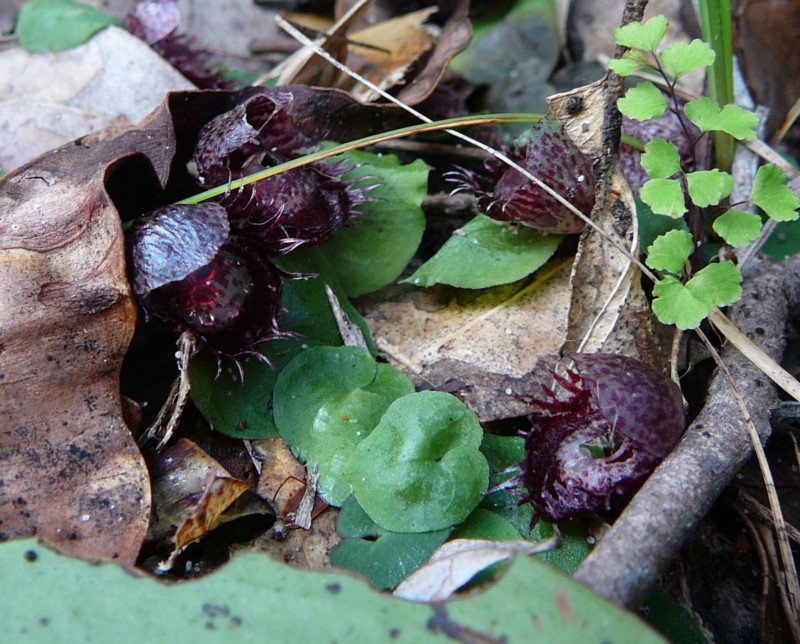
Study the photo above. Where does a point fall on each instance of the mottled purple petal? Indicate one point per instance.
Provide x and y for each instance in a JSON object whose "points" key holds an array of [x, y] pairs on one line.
{"points": [[174, 241], [641, 404], [152, 20], [611, 403]]}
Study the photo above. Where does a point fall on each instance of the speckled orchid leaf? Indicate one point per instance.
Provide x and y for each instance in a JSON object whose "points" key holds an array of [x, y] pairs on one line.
{"points": [[420, 469]]}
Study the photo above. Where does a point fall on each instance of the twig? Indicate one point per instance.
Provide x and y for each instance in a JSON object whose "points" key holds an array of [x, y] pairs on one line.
{"points": [[650, 532]]}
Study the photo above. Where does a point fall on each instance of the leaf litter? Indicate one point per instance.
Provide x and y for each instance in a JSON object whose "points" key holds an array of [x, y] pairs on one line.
{"points": [[615, 297]]}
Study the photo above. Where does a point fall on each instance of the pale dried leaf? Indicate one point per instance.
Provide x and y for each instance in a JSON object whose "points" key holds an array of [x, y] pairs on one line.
{"points": [[481, 345], [609, 311], [49, 100], [456, 562]]}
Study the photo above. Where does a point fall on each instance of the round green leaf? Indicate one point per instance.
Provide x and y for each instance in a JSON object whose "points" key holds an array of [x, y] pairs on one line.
{"points": [[483, 524], [642, 102], [738, 228], [486, 253], [342, 423], [420, 469], [237, 408], [375, 250], [317, 376]]}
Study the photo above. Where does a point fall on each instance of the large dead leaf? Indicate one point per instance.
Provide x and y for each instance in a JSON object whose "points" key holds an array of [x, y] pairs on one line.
{"points": [[71, 470], [481, 345]]}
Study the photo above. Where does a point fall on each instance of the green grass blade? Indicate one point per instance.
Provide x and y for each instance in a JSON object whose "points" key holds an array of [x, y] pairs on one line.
{"points": [[715, 16], [461, 121]]}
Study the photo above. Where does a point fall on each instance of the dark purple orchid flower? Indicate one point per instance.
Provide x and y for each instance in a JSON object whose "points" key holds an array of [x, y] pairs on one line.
{"points": [[628, 414], [551, 156], [188, 271]]}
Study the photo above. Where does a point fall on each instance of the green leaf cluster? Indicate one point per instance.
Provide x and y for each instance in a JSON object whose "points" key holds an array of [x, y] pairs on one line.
{"points": [[675, 186]]}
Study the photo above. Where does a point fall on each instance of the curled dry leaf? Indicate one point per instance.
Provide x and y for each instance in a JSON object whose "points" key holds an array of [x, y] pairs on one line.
{"points": [[456, 562], [192, 495], [72, 473], [608, 310]]}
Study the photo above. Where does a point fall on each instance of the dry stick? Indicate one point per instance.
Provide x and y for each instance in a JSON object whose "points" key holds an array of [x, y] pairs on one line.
{"points": [[637, 549], [786, 570]]}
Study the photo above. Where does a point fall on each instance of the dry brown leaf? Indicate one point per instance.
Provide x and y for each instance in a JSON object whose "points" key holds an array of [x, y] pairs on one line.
{"points": [[71, 471], [283, 481], [282, 475], [384, 53], [766, 37], [455, 36], [608, 311], [456, 562], [394, 46], [49, 100], [481, 345], [192, 495]]}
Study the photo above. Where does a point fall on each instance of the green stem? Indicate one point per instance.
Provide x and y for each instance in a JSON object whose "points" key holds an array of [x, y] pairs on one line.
{"points": [[715, 16], [420, 128]]}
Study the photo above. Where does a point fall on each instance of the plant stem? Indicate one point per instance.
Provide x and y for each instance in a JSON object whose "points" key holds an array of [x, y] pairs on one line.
{"points": [[715, 16]]}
